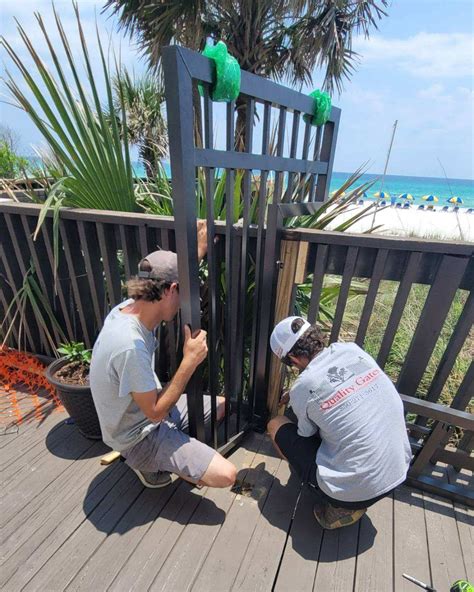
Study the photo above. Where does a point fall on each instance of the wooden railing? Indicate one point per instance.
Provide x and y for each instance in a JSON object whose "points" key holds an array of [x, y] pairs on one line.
{"points": [[446, 270]]}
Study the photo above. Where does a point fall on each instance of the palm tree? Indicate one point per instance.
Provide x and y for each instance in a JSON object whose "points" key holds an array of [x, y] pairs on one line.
{"points": [[280, 39], [143, 99]]}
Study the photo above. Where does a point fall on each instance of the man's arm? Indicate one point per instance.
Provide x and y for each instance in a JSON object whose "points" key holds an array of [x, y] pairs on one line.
{"points": [[156, 405]]}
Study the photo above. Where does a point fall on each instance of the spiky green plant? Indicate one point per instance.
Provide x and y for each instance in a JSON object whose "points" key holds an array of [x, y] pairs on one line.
{"points": [[91, 148]]}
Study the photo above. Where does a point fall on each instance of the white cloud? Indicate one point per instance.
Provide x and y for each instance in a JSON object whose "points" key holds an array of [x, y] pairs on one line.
{"points": [[427, 55]]}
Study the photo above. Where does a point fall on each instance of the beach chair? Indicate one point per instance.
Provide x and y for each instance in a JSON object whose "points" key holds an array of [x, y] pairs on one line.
{"points": [[470, 211], [421, 207], [445, 209], [398, 205], [383, 203], [360, 202], [456, 209], [406, 206]]}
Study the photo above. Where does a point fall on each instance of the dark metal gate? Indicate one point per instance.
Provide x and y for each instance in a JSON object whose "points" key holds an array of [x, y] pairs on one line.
{"points": [[266, 166]]}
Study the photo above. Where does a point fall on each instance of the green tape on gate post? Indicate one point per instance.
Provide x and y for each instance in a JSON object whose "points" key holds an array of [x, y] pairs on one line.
{"points": [[226, 86], [321, 109]]}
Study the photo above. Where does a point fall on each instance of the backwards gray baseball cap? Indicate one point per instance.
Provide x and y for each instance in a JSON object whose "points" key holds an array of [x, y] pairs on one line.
{"points": [[164, 266]]}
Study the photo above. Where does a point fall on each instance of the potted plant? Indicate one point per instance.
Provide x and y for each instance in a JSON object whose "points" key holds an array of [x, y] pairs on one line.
{"points": [[70, 377]]}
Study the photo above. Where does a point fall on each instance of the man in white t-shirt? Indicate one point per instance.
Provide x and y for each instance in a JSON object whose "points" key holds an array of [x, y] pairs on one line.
{"points": [[350, 443]]}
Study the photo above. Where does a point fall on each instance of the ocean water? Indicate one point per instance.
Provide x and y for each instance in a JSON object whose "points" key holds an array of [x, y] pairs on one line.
{"points": [[396, 185]]}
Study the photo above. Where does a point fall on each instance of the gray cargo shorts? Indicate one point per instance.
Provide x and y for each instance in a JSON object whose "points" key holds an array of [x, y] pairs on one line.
{"points": [[170, 448]]}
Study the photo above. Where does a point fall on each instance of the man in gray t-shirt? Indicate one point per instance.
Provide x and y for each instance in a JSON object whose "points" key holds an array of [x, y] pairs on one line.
{"points": [[350, 441], [139, 418]]}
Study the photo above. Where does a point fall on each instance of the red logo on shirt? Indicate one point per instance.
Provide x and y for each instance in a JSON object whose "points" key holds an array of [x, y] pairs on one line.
{"points": [[360, 382]]}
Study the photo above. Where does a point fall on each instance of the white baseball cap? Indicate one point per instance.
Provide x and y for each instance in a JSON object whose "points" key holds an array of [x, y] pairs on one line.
{"points": [[283, 338]]}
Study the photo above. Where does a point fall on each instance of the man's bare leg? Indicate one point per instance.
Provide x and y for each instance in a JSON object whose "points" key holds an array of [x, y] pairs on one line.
{"points": [[272, 428]]}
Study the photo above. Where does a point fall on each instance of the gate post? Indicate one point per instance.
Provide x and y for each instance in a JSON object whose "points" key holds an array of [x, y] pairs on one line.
{"points": [[179, 106]]}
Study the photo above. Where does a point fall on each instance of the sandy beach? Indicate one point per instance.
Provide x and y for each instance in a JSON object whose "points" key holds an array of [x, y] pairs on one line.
{"points": [[434, 224]]}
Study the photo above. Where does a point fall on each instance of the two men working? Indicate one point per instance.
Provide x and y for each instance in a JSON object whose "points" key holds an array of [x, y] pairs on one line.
{"points": [[349, 445]]}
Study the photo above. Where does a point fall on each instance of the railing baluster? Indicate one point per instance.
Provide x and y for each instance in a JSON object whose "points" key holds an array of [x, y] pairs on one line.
{"points": [[108, 251], [278, 187], [17, 274], [430, 323], [77, 272], [398, 307], [377, 273], [455, 344], [318, 279], [348, 273], [90, 248]]}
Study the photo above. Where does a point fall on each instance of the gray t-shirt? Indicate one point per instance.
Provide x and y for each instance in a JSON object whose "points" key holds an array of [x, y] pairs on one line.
{"points": [[365, 450], [122, 363]]}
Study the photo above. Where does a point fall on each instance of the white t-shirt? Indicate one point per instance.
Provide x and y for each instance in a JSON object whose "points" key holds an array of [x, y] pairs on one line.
{"points": [[122, 363], [365, 450]]}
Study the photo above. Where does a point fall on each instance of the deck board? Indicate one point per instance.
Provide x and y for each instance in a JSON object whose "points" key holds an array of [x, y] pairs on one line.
{"points": [[70, 523]]}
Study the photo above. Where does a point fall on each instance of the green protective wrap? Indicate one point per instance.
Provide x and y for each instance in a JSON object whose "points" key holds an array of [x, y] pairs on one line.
{"points": [[322, 107], [226, 87], [461, 586]]}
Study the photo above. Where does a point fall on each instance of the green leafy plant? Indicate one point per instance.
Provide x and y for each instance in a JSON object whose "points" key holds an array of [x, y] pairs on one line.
{"points": [[91, 148], [11, 165], [30, 297], [75, 351]]}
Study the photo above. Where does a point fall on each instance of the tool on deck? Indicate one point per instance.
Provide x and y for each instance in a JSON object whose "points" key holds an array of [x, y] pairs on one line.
{"points": [[110, 457], [418, 583]]}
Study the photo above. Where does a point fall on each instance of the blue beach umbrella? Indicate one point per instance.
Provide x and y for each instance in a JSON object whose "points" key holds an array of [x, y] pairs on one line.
{"points": [[455, 200], [382, 195], [365, 194], [406, 196], [431, 198]]}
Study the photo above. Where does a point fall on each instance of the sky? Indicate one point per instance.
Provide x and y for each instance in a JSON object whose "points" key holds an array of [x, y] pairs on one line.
{"points": [[417, 69]]}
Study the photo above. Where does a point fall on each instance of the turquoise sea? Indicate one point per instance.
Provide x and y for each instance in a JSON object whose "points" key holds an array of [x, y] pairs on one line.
{"points": [[396, 185]]}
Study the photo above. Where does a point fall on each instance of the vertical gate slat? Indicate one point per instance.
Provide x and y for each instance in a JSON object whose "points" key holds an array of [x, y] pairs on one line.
{"points": [[304, 155], [401, 298], [430, 323], [212, 281], [70, 239], [262, 193], [328, 150], [240, 321], [47, 232], [131, 252], [278, 187], [108, 251], [293, 146], [90, 248], [171, 326], [347, 275], [455, 344], [317, 285], [372, 292], [316, 152], [18, 271], [229, 257]]}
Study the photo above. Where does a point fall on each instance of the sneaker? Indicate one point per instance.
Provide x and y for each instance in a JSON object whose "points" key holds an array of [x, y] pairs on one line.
{"points": [[330, 517], [154, 480]]}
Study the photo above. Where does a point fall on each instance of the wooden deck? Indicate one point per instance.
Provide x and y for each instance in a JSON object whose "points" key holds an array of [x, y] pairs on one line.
{"points": [[70, 523]]}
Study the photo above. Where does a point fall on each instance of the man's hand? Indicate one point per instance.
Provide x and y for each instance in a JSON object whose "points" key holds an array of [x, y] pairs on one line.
{"points": [[201, 238], [284, 399], [195, 348]]}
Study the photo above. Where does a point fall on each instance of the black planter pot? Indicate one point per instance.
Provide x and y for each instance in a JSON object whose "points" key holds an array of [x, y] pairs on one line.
{"points": [[77, 401]]}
